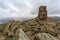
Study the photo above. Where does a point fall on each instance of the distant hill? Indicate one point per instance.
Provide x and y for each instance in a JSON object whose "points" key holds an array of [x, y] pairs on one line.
{"points": [[3, 20], [55, 17]]}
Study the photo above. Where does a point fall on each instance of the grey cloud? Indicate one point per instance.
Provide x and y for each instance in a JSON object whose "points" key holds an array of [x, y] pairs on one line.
{"points": [[28, 8]]}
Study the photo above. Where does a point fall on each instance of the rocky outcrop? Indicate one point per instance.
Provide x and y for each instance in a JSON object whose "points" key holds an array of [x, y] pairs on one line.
{"points": [[45, 36], [33, 29]]}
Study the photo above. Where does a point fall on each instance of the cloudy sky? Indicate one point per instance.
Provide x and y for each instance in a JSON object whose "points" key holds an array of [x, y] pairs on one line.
{"points": [[28, 8]]}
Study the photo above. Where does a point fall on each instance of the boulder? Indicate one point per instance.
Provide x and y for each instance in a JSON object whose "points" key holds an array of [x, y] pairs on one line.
{"points": [[45, 36], [23, 36]]}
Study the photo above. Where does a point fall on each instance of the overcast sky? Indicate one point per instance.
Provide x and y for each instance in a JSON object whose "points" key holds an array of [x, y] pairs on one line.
{"points": [[28, 8]]}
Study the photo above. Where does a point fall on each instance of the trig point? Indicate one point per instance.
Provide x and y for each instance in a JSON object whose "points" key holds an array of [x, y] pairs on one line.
{"points": [[42, 15]]}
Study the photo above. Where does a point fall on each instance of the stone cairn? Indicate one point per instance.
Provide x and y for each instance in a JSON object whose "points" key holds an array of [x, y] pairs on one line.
{"points": [[42, 13]]}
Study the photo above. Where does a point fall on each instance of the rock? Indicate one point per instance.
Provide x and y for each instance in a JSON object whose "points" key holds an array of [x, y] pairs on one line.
{"points": [[23, 36], [2, 38], [57, 29], [59, 37], [45, 36], [51, 31], [10, 33], [1, 29], [43, 29], [52, 37]]}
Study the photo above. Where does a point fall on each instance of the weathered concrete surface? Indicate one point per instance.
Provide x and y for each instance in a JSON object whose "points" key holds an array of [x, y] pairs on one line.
{"points": [[42, 13]]}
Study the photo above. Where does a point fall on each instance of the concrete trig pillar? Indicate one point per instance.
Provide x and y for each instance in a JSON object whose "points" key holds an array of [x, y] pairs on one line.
{"points": [[42, 15]]}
